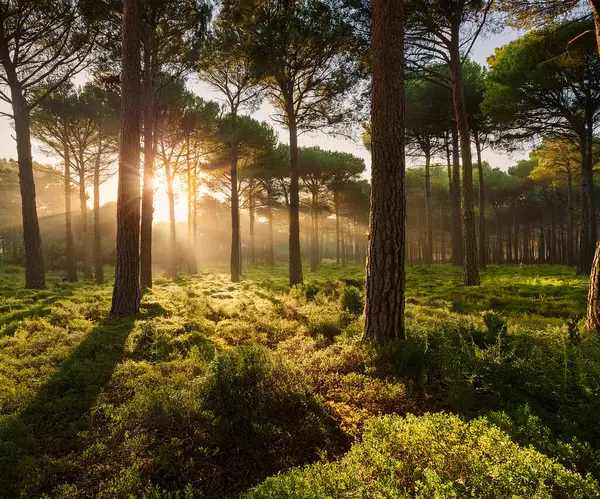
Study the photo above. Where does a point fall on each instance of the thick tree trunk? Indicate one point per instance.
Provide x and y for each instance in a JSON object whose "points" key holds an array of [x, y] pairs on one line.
{"points": [[295, 258], [470, 264], [428, 257], [70, 247], [595, 4], [85, 226], [481, 205], [457, 242], [385, 283], [126, 294], [149, 157], [593, 303], [99, 269]]}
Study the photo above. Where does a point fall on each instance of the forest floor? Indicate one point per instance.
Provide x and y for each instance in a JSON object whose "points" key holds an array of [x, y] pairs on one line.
{"points": [[216, 386]]}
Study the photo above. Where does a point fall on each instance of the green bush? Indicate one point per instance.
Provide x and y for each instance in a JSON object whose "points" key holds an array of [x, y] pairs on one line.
{"points": [[432, 456], [352, 300]]}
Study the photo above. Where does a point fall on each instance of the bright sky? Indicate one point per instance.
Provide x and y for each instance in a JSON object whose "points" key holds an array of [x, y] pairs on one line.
{"points": [[484, 48]]}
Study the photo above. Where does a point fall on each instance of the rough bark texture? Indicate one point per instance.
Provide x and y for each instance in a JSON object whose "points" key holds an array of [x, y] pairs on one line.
{"points": [[595, 4], [35, 277], [470, 264], [149, 155], [593, 303], [71, 262], [295, 258], [236, 242], [481, 205], [457, 245], [126, 293], [99, 270], [385, 283]]}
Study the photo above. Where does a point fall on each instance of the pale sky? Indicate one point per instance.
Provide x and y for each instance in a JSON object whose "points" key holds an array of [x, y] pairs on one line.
{"points": [[483, 49]]}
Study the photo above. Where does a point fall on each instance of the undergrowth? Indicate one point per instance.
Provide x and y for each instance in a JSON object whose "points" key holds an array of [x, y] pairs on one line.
{"points": [[216, 386]]}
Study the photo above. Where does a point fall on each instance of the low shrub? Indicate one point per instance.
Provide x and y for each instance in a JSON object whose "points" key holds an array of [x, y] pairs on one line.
{"points": [[352, 300], [436, 455]]}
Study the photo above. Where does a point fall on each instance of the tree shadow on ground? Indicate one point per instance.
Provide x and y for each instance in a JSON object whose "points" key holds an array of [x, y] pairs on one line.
{"points": [[51, 426]]}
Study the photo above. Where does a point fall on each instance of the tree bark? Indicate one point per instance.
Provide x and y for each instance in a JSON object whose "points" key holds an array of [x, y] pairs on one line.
{"points": [[99, 269], [126, 293], [314, 242], [593, 302], [251, 213], [191, 196], [35, 277], [295, 257], [71, 261], [442, 237], [385, 282], [470, 264]]}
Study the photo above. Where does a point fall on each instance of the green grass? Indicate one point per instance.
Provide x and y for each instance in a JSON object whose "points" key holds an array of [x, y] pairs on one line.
{"points": [[216, 386]]}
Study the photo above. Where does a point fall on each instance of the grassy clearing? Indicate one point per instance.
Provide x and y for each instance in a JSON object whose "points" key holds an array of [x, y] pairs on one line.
{"points": [[216, 386]]}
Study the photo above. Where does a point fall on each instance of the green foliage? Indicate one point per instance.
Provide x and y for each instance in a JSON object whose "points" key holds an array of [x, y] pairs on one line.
{"points": [[436, 455], [352, 300], [215, 386]]}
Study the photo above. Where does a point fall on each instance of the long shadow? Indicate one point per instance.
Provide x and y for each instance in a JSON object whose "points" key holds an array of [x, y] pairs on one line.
{"points": [[39, 308], [49, 427]]}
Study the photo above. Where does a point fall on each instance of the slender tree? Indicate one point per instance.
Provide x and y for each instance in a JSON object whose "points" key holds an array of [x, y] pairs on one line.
{"points": [[42, 44]]}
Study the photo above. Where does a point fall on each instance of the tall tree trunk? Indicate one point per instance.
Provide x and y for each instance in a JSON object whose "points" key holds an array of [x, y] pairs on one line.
{"points": [[35, 277], [428, 210], [172, 257], [457, 242], [99, 269], [295, 257], [71, 261], [126, 293], [481, 204], [85, 226], [470, 264], [595, 4], [385, 283], [236, 240], [149, 157]]}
